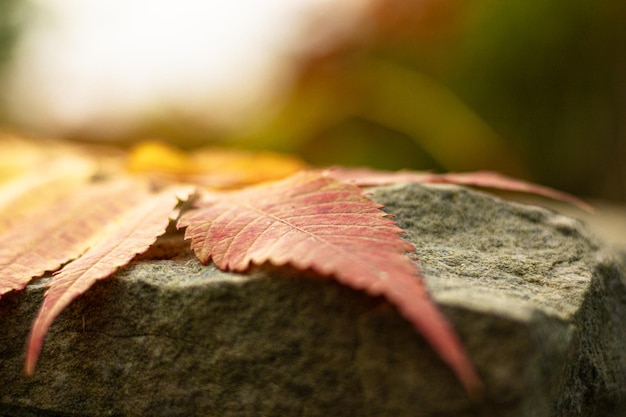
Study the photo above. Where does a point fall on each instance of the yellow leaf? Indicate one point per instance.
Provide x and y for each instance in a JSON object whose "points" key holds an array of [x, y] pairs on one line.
{"points": [[158, 157], [211, 167], [20, 156], [33, 174]]}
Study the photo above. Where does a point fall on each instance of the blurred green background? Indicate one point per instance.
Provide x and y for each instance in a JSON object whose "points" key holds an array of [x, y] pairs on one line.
{"points": [[9, 28], [535, 89]]}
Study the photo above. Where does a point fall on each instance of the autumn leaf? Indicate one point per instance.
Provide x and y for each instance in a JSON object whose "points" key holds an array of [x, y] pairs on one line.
{"points": [[313, 222], [93, 210], [132, 229], [366, 177], [20, 155], [61, 230], [211, 167], [33, 172], [40, 186], [52, 212]]}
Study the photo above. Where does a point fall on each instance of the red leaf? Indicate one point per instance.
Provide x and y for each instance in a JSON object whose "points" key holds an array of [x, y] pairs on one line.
{"points": [[314, 222], [365, 177], [130, 232]]}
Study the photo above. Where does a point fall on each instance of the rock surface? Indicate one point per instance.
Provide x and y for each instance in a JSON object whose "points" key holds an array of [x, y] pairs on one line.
{"points": [[540, 306]]}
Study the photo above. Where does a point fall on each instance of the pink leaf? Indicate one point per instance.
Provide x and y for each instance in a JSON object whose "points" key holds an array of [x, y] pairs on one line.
{"points": [[131, 232], [60, 230], [365, 177], [313, 222]]}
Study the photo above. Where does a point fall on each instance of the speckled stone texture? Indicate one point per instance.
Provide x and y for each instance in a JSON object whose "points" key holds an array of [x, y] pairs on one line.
{"points": [[540, 306]]}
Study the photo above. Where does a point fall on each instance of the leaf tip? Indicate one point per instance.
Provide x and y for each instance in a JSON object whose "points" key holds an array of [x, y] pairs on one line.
{"points": [[475, 389], [33, 350], [37, 334]]}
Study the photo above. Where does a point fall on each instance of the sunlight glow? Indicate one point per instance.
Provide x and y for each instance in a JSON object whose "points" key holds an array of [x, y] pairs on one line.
{"points": [[109, 63]]}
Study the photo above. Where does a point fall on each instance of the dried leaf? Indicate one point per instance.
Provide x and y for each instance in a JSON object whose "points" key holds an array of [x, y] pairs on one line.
{"points": [[52, 234], [129, 231], [314, 222], [40, 186], [365, 177], [36, 174], [20, 155], [211, 167], [501, 182]]}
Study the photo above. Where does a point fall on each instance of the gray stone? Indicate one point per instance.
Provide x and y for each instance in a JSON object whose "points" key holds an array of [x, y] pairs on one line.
{"points": [[539, 305]]}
